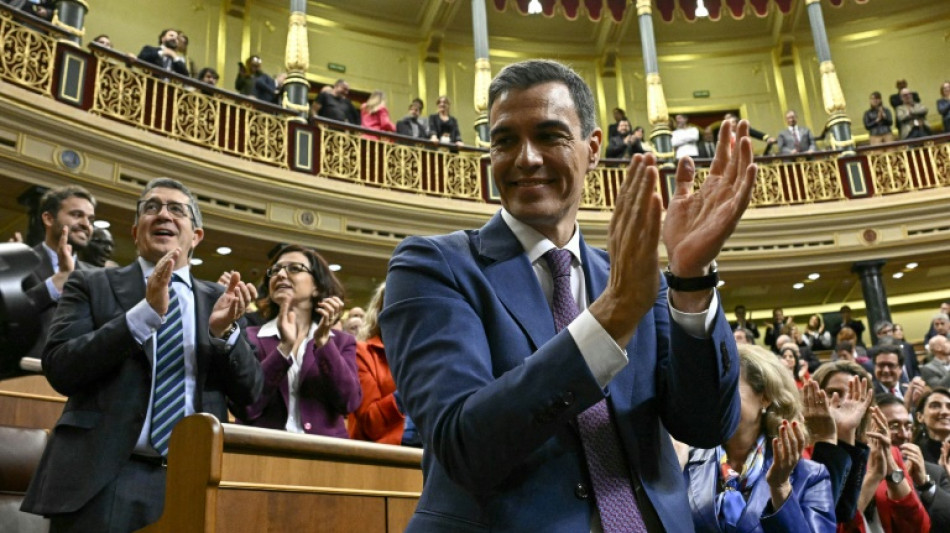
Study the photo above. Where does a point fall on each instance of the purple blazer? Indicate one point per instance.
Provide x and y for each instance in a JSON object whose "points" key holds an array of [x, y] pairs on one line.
{"points": [[329, 385]]}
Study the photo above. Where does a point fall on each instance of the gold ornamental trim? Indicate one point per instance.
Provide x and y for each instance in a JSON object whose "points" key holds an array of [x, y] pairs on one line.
{"points": [[657, 112], [72, 30], [297, 53], [270, 487], [644, 7], [482, 81], [831, 94]]}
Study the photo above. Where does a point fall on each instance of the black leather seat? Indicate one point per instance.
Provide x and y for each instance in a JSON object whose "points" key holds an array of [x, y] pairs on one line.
{"points": [[20, 452]]}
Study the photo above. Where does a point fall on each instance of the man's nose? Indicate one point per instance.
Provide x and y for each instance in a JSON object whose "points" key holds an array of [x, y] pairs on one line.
{"points": [[529, 156]]}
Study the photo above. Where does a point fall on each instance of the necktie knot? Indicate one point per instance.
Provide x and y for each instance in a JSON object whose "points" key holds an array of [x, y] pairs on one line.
{"points": [[559, 261]]}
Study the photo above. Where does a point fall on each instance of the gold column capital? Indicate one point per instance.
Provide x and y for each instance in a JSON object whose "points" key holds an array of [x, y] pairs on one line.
{"points": [[644, 7], [297, 53], [657, 112], [482, 81], [72, 30], [831, 93]]}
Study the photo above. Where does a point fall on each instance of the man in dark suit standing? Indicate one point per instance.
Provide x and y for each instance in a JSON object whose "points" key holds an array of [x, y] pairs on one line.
{"points": [[135, 349], [795, 139], [741, 322], [505, 342], [165, 55], [67, 213]]}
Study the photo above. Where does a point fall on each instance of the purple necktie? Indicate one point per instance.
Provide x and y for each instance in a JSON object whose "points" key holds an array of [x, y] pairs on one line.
{"points": [[609, 475]]}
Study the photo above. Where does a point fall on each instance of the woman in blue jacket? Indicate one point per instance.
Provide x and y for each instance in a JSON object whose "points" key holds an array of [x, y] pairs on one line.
{"points": [[757, 481]]}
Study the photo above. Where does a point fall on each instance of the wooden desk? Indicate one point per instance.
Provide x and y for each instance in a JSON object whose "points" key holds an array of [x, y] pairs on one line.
{"points": [[232, 478]]}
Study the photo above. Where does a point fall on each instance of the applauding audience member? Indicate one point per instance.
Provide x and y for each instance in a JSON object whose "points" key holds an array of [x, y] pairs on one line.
{"points": [[879, 121], [375, 115], [943, 105], [911, 117], [758, 479], [310, 376], [933, 419]]}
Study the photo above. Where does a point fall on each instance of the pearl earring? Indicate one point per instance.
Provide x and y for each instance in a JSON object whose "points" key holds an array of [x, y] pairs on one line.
{"points": [[763, 410]]}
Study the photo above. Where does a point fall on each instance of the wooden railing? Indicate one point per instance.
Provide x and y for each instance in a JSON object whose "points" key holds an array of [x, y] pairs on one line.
{"points": [[226, 478], [121, 88]]}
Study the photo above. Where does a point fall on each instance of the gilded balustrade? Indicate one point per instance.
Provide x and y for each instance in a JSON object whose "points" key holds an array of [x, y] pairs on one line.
{"points": [[140, 95]]}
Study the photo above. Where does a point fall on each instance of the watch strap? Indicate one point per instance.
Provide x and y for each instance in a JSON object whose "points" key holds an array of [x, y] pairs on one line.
{"points": [[701, 283]]}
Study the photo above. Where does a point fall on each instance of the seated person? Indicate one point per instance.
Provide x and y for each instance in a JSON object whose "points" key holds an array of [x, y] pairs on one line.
{"points": [[757, 479], [165, 55], [792, 360], [310, 376]]}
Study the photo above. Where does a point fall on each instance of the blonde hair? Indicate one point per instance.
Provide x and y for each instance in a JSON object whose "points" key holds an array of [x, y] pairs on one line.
{"points": [[375, 101], [827, 370], [370, 327], [766, 375]]}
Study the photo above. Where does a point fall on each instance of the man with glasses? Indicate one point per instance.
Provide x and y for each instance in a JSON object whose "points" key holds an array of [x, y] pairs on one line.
{"points": [[931, 481], [136, 348]]}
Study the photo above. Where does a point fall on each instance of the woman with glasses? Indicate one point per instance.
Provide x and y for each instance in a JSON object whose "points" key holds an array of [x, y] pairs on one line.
{"points": [[310, 376]]}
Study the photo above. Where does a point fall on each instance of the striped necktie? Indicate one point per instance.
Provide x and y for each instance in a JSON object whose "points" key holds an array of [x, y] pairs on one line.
{"points": [[168, 400], [609, 474]]}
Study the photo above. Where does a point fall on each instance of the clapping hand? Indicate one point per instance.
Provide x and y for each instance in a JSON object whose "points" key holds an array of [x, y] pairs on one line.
{"points": [[156, 287], [786, 452], [817, 412], [329, 310], [231, 305], [849, 410], [64, 252]]}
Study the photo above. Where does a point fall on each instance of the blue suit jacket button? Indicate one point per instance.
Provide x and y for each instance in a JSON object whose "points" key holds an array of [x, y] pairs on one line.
{"points": [[580, 490]]}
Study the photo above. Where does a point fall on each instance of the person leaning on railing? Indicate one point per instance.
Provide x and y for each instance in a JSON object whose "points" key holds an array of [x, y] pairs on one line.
{"points": [[943, 105]]}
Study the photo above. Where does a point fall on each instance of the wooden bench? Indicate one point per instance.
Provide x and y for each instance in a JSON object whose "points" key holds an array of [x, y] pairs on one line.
{"points": [[228, 477]]}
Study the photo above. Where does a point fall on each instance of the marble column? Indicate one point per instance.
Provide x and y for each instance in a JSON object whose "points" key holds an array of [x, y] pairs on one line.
{"points": [[872, 287], [296, 59], [657, 113], [482, 70], [831, 95]]}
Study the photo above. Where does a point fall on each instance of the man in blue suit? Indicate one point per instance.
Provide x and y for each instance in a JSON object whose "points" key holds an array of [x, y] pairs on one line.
{"points": [[498, 393]]}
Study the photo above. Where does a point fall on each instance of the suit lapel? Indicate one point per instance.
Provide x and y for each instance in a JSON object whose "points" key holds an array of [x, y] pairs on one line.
{"points": [[128, 284], [45, 269], [514, 280], [205, 298]]}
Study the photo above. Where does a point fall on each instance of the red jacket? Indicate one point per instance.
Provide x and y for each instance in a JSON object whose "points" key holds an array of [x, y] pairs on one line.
{"points": [[377, 418], [906, 515]]}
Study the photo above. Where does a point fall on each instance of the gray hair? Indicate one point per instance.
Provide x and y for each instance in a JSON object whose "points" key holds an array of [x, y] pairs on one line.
{"points": [[527, 74], [168, 183]]}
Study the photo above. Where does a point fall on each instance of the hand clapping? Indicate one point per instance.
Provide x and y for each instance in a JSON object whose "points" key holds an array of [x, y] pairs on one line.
{"points": [[232, 305]]}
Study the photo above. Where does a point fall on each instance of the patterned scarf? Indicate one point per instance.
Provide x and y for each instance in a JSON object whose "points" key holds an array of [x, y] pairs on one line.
{"points": [[735, 487]]}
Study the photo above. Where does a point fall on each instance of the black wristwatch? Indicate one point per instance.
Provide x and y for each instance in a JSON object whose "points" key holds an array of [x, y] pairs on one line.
{"points": [[925, 486], [896, 476], [701, 283]]}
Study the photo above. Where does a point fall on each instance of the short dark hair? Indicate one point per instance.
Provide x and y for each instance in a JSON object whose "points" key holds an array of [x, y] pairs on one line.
{"points": [[419, 101], [845, 308], [208, 70], [888, 348], [327, 283], [168, 183], [876, 94], [740, 306], [885, 398], [162, 35], [527, 74], [52, 200]]}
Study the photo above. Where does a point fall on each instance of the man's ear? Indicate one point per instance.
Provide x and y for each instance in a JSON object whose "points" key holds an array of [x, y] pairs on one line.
{"points": [[594, 143], [48, 219]]}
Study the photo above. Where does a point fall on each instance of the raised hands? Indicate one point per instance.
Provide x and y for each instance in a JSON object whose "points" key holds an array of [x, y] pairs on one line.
{"points": [[231, 305], [850, 410], [291, 334], [786, 452], [156, 287], [330, 310], [915, 389], [698, 224], [64, 252], [945, 456], [914, 461], [817, 412], [633, 237]]}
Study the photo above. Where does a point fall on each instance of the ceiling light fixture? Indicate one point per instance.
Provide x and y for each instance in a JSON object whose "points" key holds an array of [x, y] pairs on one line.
{"points": [[701, 10], [102, 224], [335, 267], [898, 275], [911, 266], [813, 276], [798, 286], [196, 261], [223, 250], [534, 7]]}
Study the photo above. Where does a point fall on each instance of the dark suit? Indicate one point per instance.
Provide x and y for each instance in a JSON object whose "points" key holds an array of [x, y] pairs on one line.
{"points": [[749, 325], [413, 127], [938, 503], [92, 358], [935, 374], [787, 143], [810, 506], [494, 390], [43, 304], [153, 55]]}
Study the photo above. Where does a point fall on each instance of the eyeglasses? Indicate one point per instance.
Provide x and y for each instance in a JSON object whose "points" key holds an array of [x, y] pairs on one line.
{"points": [[292, 268], [175, 209], [897, 426]]}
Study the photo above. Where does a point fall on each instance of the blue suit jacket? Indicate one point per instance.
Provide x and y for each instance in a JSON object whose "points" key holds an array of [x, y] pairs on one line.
{"points": [[494, 391], [810, 507]]}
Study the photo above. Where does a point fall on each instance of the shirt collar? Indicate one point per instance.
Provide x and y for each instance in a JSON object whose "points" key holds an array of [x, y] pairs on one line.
{"points": [[53, 255], [183, 273], [534, 243], [270, 330]]}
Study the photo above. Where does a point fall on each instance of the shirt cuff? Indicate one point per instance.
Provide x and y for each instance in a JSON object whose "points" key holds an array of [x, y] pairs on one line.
{"points": [[697, 324], [54, 293], [143, 321], [603, 355], [225, 345]]}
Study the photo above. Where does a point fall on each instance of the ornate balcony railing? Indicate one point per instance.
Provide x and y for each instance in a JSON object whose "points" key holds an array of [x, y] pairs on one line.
{"points": [[36, 56]]}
